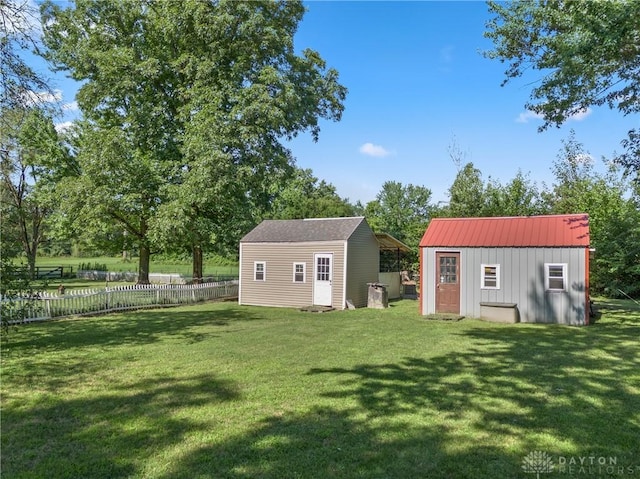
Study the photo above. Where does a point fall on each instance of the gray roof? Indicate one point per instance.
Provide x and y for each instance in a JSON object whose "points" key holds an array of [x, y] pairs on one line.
{"points": [[293, 231]]}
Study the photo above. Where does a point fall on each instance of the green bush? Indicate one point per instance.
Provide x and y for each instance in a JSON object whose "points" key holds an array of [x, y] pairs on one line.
{"points": [[93, 266]]}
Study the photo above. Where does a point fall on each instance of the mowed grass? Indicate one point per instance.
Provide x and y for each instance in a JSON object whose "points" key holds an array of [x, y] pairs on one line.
{"points": [[155, 266], [183, 267], [223, 391]]}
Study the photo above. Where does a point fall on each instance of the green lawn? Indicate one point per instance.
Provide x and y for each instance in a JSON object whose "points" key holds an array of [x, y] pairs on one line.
{"points": [[223, 391], [116, 264], [156, 265]]}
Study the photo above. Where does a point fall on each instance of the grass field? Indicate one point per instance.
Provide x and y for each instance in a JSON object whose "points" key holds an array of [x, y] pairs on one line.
{"points": [[182, 267], [224, 391], [156, 265]]}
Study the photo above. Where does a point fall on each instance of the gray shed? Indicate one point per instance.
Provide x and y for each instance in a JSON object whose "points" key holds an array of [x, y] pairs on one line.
{"points": [[529, 269], [298, 263]]}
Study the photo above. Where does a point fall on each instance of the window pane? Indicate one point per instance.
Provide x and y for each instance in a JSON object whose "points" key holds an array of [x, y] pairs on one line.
{"points": [[448, 269], [555, 271], [298, 273], [259, 272], [556, 276], [556, 283]]}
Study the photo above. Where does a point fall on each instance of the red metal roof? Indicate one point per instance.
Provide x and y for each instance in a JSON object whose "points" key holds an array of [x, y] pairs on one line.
{"points": [[517, 231]]}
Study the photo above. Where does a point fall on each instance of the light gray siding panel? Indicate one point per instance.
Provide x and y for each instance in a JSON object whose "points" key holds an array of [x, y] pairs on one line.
{"points": [[363, 264], [279, 288], [522, 282]]}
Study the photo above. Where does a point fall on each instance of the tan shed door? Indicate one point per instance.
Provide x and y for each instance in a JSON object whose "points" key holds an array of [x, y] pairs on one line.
{"points": [[448, 283]]}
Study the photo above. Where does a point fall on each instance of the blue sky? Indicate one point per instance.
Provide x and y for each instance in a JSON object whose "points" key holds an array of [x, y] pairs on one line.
{"points": [[417, 83]]}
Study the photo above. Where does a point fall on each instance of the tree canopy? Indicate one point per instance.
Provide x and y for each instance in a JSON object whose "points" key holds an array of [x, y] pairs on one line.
{"points": [[588, 54], [305, 196], [186, 105]]}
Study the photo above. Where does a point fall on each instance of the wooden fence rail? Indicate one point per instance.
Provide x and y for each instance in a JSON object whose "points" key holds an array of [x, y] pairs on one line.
{"points": [[89, 301]]}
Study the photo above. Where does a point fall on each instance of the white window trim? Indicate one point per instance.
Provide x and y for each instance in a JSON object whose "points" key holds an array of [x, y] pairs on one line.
{"points": [[264, 270], [483, 278], [304, 272], [565, 280]]}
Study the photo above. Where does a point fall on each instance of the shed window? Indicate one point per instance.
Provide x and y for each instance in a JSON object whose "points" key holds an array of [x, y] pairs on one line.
{"points": [[259, 271], [299, 272], [490, 278], [555, 276]]}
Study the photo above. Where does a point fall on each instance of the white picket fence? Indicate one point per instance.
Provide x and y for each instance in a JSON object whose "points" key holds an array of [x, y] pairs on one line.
{"points": [[90, 301]]}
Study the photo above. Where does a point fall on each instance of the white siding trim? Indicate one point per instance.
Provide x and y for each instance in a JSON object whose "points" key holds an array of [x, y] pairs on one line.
{"points": [[547, 278], [483, 277], [304, 272], [344, 274], [264, 270], [240, 277]]}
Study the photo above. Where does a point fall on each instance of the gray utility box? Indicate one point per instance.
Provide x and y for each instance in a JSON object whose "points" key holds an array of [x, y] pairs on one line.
{"points": [[500, 312], [378, 296]]}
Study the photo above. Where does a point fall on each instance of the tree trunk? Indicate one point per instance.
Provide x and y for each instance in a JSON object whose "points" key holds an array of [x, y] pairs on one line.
{"points": [[31, 263], [143, 264], [197, 264]]}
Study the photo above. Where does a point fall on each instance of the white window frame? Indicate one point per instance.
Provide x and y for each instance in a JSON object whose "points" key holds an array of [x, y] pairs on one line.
{"points": [[483, 278], [547, 277], [264, 270], [304, 272]]}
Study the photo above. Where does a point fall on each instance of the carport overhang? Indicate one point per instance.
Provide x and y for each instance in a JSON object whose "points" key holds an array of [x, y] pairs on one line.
{"points": [[389, 243]]}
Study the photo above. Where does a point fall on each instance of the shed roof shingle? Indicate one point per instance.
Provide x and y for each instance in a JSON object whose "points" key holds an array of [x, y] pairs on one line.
{"points": [[518, 231], [293, 231]]}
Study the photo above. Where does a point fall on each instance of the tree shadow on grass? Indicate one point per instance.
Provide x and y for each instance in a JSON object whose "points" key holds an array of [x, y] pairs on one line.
{"points": [[106, 435], [471, 414], [80, 342], [329, 443], [567, 391], [134, 327]]}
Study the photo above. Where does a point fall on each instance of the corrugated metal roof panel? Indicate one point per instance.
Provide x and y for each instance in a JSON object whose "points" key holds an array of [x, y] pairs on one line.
{"points": [[517, 231]]}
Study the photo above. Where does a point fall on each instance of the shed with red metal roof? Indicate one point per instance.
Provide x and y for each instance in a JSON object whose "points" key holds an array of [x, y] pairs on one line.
{"points": [[529, 269]]}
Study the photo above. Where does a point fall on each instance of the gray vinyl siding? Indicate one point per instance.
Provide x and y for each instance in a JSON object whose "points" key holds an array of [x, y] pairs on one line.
{"points": [[279, 289], [522, 281], [363, 264]]}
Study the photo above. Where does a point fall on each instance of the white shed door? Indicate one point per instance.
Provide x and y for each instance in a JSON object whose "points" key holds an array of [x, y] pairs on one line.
{"points": [[323, 272]]}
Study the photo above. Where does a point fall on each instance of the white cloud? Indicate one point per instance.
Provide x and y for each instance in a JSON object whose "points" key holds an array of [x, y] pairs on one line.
{"points": [[581, 115], [22, 18], [374, 150], [525, 116], [64, 126], [37, 98], [73, 106]]}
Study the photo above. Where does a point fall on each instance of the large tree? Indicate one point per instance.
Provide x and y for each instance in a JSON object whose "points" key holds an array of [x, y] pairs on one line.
{"points": [[585, 53], [20, 84], [29, 146], [245, 91], [466, 194], [186, 105], [402, 211], [128, 146], [305, 196], [614, 217]]}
